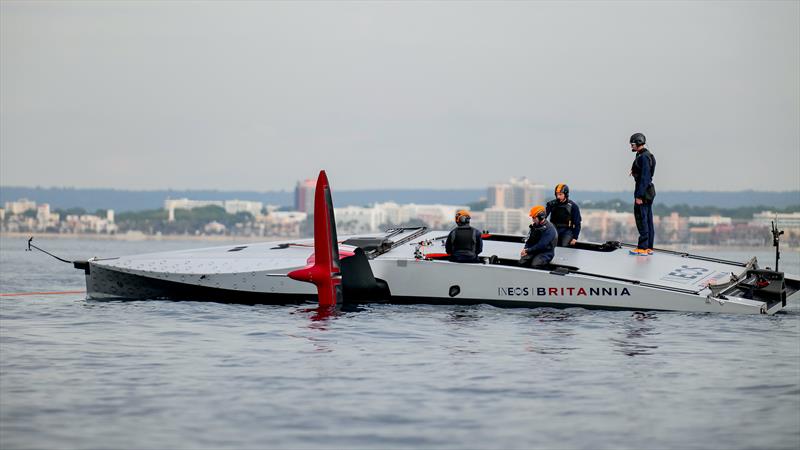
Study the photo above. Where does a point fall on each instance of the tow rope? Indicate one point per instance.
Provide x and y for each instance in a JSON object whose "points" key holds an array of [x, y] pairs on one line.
{"points": [[22, 294], [44, 251]]}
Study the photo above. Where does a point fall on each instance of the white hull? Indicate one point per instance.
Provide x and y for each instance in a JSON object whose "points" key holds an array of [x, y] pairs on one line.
{"points": [[592, 277]]}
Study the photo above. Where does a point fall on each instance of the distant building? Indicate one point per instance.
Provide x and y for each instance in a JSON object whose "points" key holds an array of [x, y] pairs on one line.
{"points": [[433, 215], [518, 193], [674, 228], [357, 219], [214, 227], [393, 214], [230, 206], [784, 220], [20, 206], [237, 206], [282, 223], [788, 222], [42, 216], [304, 195], [185, 203], [600, 226], [709, 220], [505, 220], [87, 223], [500, 196]]}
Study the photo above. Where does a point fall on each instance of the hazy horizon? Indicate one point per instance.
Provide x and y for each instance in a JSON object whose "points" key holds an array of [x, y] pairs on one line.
{"points": [[387, 95], [400, 188]]}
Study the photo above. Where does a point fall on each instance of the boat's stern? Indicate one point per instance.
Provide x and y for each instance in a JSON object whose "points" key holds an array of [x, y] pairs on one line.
{"points": [[774, 290]]}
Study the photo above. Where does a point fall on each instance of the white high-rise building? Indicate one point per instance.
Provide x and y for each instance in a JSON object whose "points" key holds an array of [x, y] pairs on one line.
{"points": [[500, 196], [304, 195], [518, 193], [505, 220], [43, 216]]}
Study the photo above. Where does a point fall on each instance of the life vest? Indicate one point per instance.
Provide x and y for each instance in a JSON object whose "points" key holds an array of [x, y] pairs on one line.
{"points": [[464, 241], [561, 213], [636, 168]]}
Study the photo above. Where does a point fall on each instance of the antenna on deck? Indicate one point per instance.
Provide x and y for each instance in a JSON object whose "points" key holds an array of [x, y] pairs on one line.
{"points": [[776, 241]]}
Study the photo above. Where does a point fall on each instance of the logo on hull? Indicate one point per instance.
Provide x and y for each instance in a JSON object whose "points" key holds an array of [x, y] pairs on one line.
{"points": [[518, 291]]}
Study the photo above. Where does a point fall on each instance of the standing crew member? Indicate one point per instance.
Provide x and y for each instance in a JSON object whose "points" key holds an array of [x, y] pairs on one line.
{"points": [[565, 215], [541, 242], [464, 243], [643, 169]]}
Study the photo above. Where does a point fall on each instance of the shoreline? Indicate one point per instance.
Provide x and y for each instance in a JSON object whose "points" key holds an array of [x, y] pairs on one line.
{"points": [[138, 237], [173, 237]]}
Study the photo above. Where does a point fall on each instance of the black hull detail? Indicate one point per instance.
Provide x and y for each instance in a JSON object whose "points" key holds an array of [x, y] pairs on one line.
{"points": [[104, 284]]}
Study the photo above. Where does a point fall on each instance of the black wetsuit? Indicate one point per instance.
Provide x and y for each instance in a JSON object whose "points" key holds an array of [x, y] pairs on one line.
{"points": [[643, 169], [540, 245]]}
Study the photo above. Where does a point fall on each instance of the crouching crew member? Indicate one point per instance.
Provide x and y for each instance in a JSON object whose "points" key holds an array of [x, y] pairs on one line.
{"points": [[541, 243], [642, 170], [565, 215], [464, 243]]}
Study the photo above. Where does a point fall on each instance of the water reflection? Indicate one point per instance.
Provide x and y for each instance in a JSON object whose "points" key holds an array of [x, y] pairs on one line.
{"points": [[319, 316], [463, 316], [636, 334], [319, 321], [550, 340], [552, 315]]}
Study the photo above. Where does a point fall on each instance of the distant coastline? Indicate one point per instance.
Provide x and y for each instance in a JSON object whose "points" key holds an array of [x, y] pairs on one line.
{"points": [[130, 200], [23, 237], [136, 237]]}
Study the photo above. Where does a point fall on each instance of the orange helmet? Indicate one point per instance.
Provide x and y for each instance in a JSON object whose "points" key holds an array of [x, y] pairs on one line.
{"points": [[463, 216], [538, 211]]}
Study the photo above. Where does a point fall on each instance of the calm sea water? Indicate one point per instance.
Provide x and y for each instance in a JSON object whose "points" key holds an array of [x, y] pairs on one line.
{"points": [[155, 374]]}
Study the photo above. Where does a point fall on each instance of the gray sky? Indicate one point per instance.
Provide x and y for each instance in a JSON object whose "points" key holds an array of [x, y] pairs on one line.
{"points": [[255, 95]]}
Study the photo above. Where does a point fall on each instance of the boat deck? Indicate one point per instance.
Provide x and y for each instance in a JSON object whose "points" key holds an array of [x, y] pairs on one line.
{"points": [[664, 269]]}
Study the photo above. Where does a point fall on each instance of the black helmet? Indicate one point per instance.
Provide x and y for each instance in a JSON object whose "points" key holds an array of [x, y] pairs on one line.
{"points": [[638, 139], [562, 188]]}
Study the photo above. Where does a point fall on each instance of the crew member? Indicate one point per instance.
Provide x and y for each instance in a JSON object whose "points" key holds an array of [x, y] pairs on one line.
{"points": [[464, 243], [642, 170], [541, 242], [565, 215]]}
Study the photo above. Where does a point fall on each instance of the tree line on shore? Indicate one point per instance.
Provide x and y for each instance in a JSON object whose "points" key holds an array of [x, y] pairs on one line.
{"points": [[659, 209]]}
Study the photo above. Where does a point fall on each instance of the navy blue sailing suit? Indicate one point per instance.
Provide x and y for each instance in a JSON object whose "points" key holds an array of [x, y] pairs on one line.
{"points": [[464, 244], [566, 217], [540, 245], [643, 169]]}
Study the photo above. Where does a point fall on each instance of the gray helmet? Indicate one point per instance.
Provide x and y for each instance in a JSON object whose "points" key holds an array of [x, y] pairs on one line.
{"points": [[638, 139]]}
